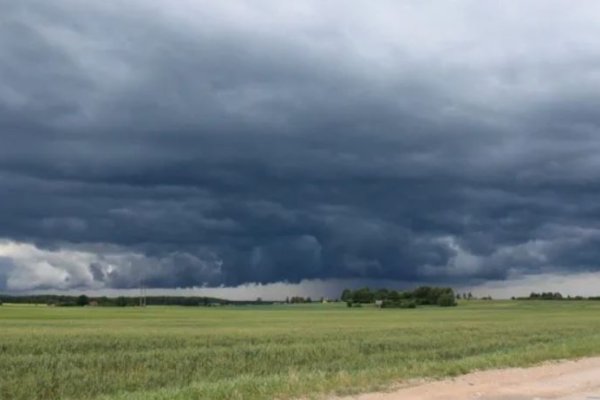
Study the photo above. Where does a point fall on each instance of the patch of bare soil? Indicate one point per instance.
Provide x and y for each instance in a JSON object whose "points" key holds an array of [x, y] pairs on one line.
{"points": [[565, 380]]}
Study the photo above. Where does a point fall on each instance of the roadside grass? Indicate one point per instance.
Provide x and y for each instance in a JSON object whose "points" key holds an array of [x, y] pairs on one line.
{"points": [[265, 352]]}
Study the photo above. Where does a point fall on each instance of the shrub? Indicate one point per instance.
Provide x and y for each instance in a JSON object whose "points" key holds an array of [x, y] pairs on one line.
{"points": [[446, 300], [66, 304], [399, 304]]}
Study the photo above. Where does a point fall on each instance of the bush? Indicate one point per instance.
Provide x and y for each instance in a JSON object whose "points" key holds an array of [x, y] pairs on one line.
{"points": [[399, 304], [66, 304], [446, 300]]}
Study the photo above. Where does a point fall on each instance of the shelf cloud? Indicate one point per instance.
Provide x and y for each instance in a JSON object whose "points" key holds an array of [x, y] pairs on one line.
{"points": [[208, 144]]}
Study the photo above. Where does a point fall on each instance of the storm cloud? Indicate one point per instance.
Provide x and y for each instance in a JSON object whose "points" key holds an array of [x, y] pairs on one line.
{"points": [[200, 143]]}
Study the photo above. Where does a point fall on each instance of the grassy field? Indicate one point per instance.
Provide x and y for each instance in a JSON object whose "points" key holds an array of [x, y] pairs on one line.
{"points": [[273, 351]]}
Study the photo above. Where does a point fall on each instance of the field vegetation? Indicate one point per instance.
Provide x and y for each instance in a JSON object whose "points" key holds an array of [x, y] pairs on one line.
{"points": [[273, 351]]}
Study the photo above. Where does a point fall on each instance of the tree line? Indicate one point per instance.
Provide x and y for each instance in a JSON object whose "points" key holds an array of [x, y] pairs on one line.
{"points": [[123, 301], [386, 298], [553, 296], [297, 300]]}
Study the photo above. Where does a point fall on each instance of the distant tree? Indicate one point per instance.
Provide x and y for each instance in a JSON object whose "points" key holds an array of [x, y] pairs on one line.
{"points": [[422, 293], [346, 295], [381, 294], [427, 295], [297, 299], [457, 296], [308, 300], [394, 295], [470, 296], [546, 296], [363, 295], [259, 300], [83, 300], [287, 300], [446, 300], [121, 301]]}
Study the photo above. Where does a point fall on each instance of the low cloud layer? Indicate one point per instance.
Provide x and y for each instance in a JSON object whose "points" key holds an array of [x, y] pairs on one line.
{"points": [[205, 144]]}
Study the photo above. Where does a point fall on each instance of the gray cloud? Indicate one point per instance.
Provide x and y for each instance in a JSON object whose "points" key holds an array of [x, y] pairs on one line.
{"points": [[219, 144]]}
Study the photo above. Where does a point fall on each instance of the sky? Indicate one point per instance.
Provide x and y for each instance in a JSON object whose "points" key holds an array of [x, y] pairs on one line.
{"points": [[272, 147]]}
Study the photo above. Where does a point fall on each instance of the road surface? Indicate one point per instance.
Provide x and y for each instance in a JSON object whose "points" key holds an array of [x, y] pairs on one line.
{"points": [[565, 380]]}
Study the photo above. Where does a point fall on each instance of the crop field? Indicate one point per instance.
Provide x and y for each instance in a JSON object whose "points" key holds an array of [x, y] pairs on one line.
{"points": [[265, 352]]}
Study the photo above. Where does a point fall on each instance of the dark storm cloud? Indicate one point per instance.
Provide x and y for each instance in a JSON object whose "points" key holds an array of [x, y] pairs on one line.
{"points": [[204, 144]]}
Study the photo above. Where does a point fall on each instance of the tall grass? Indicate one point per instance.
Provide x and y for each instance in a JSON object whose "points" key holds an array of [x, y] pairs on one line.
{"points": [[279, 351]]}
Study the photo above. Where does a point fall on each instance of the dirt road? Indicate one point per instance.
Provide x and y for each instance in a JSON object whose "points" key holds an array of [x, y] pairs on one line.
{"points": [[567, 380]]}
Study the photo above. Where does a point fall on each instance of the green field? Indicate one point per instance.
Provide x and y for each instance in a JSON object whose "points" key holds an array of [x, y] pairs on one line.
{"points": [[265, 352]]}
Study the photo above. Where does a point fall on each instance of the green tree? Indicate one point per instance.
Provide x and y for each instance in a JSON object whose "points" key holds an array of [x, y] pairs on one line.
{"points": [[363, 295], [394, 295], [446, 300], [83, 300], [347, 295], [382, 294]]}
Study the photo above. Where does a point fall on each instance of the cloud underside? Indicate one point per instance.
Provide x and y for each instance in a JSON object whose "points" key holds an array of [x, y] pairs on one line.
{"points": [[203, 144]]}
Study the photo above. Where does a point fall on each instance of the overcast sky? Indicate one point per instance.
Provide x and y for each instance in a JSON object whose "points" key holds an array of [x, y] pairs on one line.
{"points": [[210, 144]]}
